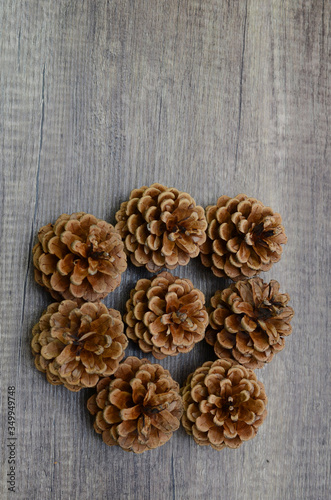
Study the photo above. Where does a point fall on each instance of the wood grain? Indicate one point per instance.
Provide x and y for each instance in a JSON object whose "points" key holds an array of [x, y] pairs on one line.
{"points": [[218, 97]]}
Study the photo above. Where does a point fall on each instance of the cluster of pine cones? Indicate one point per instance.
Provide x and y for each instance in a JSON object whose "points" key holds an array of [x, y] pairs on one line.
{"points": [[79, 342]]}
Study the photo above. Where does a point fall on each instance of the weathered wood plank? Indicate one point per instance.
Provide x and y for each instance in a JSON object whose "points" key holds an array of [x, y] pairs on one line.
{"points": [[211, 97]]}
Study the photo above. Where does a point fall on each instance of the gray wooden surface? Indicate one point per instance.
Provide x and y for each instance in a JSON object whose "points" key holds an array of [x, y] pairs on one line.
{"points": [[213, 97]]}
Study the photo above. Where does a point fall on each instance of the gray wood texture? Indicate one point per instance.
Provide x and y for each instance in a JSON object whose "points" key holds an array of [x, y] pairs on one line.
{"points": [[213, 97]]}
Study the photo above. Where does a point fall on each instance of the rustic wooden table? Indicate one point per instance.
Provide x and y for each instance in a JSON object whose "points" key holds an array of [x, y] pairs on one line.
{"points": [[213, 97]]}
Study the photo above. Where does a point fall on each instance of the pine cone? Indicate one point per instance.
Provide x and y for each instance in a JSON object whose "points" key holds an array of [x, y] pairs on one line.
{"points": [[161, 227], [224, 404], [76, 345], [166, 315], [244, 237], [249, 321], [79, 256], [138, 408]]}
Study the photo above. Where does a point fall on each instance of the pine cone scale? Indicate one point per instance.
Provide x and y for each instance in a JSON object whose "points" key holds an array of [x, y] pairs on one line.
{"points": [[47, 263]]}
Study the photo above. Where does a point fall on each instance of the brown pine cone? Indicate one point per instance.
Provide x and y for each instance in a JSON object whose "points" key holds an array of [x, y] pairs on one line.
{"points": [[76, 345], [249, 321], [166, 315], [161, 227], [138, 408], [243, 238], [224, 404], [79, 256]]}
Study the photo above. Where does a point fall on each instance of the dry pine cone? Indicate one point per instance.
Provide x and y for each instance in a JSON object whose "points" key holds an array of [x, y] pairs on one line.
{"points": [[244, 237], [77, 345], [166, 315], [249, 321], [161, 227], [79, 256], [138, 408], [224, 404]]}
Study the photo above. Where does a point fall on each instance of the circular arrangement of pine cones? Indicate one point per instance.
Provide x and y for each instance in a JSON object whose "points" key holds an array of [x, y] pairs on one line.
{"points": [[80, 343]]}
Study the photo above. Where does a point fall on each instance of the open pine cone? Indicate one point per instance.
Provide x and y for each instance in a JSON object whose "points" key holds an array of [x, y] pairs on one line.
{"points": [[244, 237], [138, 408], [224, 404], [76, 345], [79, 256], [166, 315], [161, 227], [249, 321]]}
